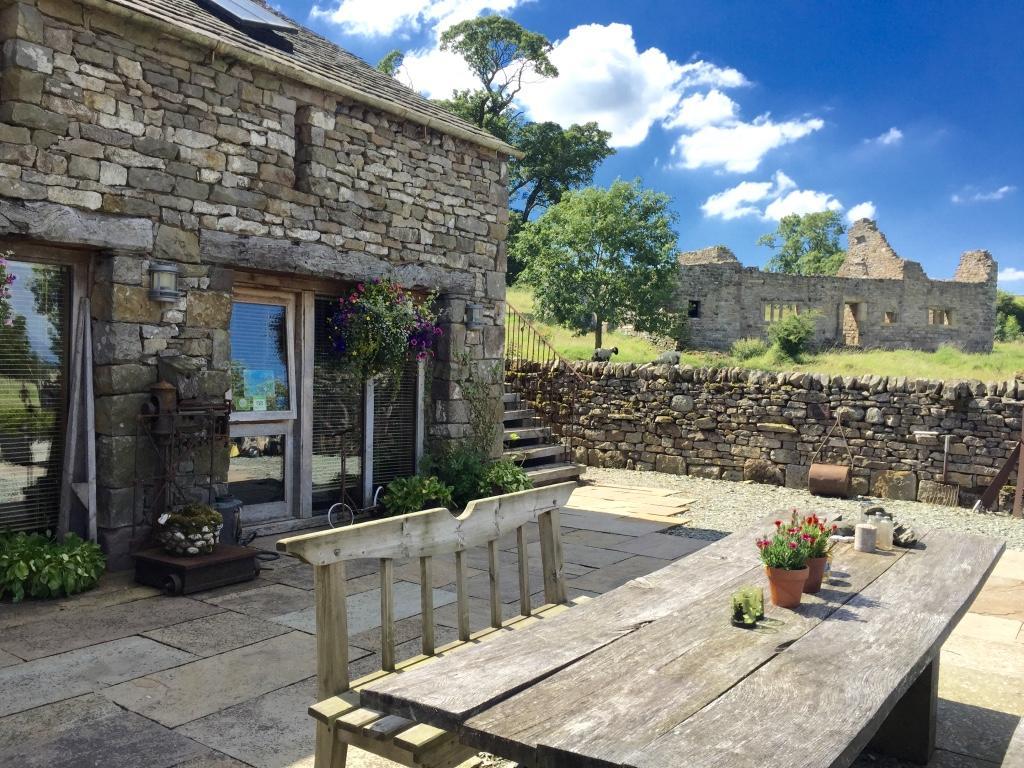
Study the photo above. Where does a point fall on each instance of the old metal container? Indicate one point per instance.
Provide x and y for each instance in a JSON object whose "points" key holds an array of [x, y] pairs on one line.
{"points": [[829, 480]]}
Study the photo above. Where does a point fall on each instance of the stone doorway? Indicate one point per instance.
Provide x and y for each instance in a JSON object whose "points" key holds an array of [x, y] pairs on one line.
{"points": [[851, 323]]}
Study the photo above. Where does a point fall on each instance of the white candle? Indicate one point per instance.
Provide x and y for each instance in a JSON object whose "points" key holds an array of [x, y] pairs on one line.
{"points": [[864, 537]]}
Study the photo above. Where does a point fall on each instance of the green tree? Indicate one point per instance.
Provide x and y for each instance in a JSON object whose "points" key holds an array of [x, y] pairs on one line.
{"points": [[391, 63], [1009, 316], [603, 255], [503, 55], [806, 244]]}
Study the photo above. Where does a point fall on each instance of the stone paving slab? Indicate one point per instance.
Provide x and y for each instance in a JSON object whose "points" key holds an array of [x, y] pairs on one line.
{"points": [[975, 731], [268, 731], [1001, 597], [989, 627], [986, 655], [266, 602], [113, 588], [1010, 565], [405, 630], [661, 545], [91, 731], [89, 626], [215, 634], [594, 538], [581, 554], [7, 659], [442, 571], [578, 518], [618, 574], [479, 613], [176, 696], [83, 670], [364, 608], [989, 690], [213, 759]]}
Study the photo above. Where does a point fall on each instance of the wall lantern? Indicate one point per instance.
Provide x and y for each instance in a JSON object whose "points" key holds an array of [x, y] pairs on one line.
{"points": [[163, 285], [474, 315]]}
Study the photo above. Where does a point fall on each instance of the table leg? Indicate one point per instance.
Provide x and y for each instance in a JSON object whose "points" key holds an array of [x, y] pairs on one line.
{"points": [[908, 733]]}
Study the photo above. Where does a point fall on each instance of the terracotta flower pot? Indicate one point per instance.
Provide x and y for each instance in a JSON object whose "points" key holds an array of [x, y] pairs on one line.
{"points": [[815, 573], [786, 587]]}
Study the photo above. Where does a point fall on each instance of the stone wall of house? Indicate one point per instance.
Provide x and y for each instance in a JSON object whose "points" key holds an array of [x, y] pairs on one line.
{"points": [[118, 137], [734, 423], [876, 300]]}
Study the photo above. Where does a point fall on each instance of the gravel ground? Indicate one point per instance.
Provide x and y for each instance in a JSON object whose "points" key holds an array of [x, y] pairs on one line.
{"points": [[723, 506]]}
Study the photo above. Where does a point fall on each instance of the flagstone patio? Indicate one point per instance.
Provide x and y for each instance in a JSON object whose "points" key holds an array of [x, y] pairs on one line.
{"points": [[123, 677]]}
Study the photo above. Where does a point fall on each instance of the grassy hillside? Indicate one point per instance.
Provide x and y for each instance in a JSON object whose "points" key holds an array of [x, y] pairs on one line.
{"points": [[946, 363]]}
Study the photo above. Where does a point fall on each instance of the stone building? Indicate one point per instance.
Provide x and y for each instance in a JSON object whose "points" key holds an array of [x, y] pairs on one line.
{"points": [[876, 300], [267, 171]]}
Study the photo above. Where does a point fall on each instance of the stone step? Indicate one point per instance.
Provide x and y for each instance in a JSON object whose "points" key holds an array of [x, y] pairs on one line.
{"points": [[526, 433], [519, 414], [552, 452], [510, 398], [549, 474]]}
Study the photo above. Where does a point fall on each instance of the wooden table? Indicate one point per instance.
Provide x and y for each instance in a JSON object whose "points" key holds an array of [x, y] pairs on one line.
{"points": [[653, 675]]}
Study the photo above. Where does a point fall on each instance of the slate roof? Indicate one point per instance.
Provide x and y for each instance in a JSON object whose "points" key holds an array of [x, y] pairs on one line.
{"points": [[315, 55]]}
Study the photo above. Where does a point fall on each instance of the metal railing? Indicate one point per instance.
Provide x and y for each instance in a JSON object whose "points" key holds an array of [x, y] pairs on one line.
{"points": [[541, 376]]}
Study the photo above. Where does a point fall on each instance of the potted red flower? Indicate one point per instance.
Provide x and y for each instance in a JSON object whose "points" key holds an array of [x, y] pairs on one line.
{"points": [[784, 555], [816, 533]]}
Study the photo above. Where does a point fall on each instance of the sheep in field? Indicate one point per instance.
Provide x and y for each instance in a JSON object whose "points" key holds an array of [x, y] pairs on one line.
{"points": [[603, 354]]}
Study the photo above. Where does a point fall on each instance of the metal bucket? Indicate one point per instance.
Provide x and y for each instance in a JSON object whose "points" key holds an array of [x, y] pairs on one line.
{"points": [[829, 480]]}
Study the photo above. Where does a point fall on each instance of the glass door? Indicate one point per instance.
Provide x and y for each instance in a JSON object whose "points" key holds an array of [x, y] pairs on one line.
{"points": [[263, 452]]}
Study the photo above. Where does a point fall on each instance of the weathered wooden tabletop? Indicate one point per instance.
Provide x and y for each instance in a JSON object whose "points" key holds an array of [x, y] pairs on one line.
{"points": [[652, 674]]}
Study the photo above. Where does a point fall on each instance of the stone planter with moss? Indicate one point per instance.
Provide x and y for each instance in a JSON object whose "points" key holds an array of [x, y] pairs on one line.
{"points": [[190, 531]]}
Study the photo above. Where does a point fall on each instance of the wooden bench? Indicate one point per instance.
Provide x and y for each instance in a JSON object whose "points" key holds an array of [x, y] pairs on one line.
{"points": [[341, 720]]}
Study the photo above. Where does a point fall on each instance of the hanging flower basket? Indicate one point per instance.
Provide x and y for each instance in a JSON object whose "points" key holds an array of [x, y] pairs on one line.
{"points": [[6, 279], [379, 325]]}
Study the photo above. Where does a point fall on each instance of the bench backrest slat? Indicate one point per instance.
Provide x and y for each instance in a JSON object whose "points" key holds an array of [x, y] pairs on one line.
{"points": [[423, 535]]}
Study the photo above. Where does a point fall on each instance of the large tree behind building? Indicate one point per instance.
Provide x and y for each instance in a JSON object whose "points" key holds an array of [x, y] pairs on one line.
{"points": [[603, 256], [806, 244]]}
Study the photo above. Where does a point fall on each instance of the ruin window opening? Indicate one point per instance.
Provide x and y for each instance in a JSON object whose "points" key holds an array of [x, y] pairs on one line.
{"points": [[890, 318], [693, 309], [774, 312], [940, 316]]}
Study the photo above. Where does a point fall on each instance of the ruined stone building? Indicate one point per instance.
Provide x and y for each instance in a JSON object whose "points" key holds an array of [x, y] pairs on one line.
{"points": [[205, 186], [876, 300]]}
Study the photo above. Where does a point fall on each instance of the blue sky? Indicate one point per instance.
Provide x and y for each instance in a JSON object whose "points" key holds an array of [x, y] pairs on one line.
{"points": [[743, 111]]}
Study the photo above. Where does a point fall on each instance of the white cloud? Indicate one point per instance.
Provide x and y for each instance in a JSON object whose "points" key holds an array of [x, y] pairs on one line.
{"points": [[973, 195], [865, 210], [436, 73], [801, 201], [738, 201], [603, 76], [381, 18], [702, 109], [740, 147], [893, 136], [1011, 275], [771, 200]]}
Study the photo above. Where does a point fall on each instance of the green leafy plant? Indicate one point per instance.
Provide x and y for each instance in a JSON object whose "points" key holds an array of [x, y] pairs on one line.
{"points": [[411, 494], [792, 334], [787, 548], [192, 519], [38, 566], [504, 476], [746, 349], [462, 467], [478, 382]]}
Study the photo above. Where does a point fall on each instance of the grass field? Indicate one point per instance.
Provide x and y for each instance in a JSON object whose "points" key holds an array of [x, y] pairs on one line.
{"points": [[946, 363]]}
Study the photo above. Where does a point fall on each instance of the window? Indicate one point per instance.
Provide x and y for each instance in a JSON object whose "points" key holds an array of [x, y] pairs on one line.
{"points": [[33, 372], [260, 352], [774, 312], [693, 309], [940, 316], [889, 318]]}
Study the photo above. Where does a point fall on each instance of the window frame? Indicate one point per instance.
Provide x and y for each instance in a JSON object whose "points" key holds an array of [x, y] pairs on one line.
{"points": [[275, 298]]}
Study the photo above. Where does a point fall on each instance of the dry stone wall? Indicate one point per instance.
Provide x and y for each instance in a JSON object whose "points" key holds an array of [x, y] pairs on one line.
{"points": [[736, 424]]}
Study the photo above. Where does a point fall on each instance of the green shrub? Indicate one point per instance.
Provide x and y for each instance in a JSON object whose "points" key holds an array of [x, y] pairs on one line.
{"points": [[35, 565], [504, 476], [462, 467], [792, 334], [411, 494], [745, 349]]}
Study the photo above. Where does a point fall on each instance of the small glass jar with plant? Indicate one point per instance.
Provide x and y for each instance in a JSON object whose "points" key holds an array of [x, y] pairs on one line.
{"points": [[784, 554], [192, 530]]}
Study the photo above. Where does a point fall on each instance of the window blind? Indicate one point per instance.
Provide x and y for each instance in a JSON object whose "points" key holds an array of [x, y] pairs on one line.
{"points": [[394, 427], [33, 375]]}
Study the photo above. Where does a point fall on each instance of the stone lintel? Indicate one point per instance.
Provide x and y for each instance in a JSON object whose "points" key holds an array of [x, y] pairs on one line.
{"points": [[318, 260], [64, 225]]}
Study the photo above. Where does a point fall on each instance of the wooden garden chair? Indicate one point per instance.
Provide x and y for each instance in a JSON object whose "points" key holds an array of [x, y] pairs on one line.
{"points": [[340, 720]]}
